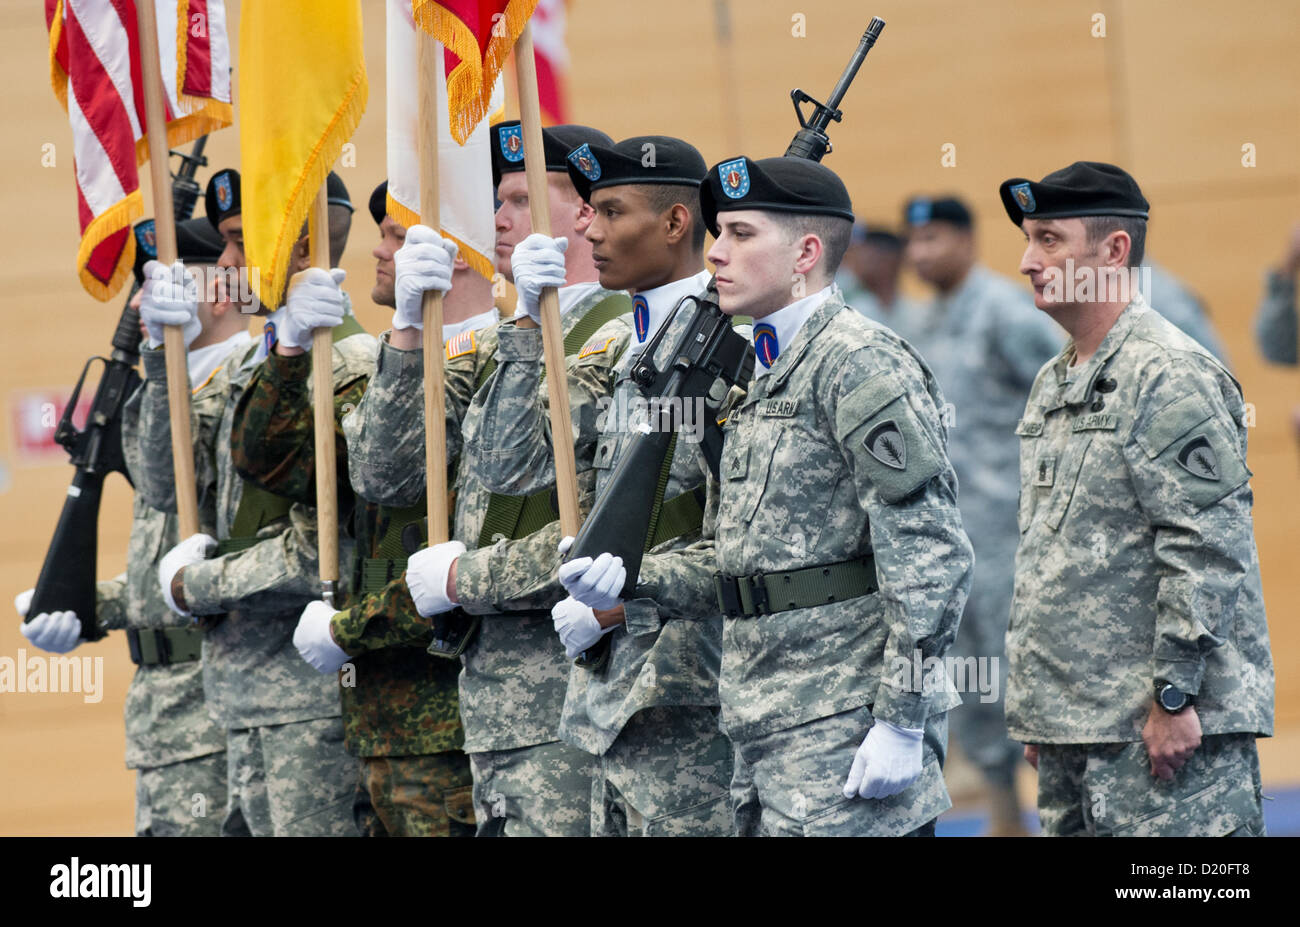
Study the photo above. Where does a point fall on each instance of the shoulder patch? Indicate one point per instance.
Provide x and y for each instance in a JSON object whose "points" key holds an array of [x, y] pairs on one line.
{"points": [[596, 347], [460, 345]]}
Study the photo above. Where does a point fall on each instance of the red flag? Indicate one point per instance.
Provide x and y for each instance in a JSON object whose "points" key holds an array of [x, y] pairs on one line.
{"points": [[478, 36]]}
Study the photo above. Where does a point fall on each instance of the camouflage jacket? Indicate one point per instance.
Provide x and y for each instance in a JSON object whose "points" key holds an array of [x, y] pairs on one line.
{"points": [[252, 674], [802, 487], [652, 660], [397, 700], [1137, 555], [166, 717], [1276, 321], [513, 681]]}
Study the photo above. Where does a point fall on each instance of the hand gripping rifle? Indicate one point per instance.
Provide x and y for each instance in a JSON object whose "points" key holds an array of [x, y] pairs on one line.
{"points": [[67, 580], [707, 360]]}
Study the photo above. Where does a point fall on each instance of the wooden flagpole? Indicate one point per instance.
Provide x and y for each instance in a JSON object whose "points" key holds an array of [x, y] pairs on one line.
{"points": [[435, 402], [178, 378], [322, 374], [557, 386]]}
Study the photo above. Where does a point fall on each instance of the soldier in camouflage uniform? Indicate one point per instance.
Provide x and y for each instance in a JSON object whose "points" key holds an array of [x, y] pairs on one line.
{"points": [[649, 714], [287, 771], [1140, 668], [526, 782], [840, 547], [400, 710], [177, 750], [985, 342]]}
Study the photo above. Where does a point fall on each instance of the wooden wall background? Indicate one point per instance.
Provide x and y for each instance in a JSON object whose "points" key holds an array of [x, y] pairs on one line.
{"points": [[1173, 91]]}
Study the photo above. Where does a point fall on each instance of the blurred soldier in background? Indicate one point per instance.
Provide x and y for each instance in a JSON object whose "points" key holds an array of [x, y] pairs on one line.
{"points": [[868, 278]]}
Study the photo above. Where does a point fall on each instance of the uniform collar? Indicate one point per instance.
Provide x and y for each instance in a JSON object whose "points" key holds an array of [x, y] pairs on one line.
{"points": [[473, 323], [1079, 390], [782, 327], [569, 296], [651, 307], [202, 361]]}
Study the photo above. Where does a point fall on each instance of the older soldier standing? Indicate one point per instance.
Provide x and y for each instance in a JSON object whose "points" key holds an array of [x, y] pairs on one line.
{"points": [[985, 342], [843, 562], [1140, 668]]}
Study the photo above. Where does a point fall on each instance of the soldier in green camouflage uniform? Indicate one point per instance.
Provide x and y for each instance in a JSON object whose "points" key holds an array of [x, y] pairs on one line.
{"points": [[840, 546], [287, 771], [1140, 671], [649, 715], [400, 705]]}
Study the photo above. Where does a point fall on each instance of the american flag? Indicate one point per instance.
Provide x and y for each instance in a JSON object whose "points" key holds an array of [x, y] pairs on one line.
{"points": [[96, 73]]}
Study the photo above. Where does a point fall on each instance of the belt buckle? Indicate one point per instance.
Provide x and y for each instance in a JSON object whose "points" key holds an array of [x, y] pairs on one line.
{"points": [[758, 593], [728, 595]]}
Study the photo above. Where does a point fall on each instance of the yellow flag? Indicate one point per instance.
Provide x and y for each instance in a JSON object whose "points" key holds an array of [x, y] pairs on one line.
{"points": [[302, 90]]}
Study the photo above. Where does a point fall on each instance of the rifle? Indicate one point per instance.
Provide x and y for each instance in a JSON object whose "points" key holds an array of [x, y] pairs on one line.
{"points": [[67, 580], [708, 360]]}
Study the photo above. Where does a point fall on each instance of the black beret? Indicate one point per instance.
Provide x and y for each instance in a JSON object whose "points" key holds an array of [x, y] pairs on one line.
{"points": [[922, 209], [1085, 188], [794, 185], [379, 203], [221, 200], [557, 142], [197, 242], [336, 192], [641, 160]]}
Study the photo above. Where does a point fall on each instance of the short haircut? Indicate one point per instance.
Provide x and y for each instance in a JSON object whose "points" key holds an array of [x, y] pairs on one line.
{"points": [[833, 231], [664, 196], [1098, 227]]}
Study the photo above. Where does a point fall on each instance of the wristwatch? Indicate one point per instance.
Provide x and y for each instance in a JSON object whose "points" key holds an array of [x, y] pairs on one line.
{"points": [[1171, 698]]}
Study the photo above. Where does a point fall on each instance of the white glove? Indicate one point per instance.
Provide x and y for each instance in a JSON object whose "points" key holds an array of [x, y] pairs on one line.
{"points": [[537, 262], [23, 602], [314, 641], [55, 632], [171, 297], [314, 301], [426, 577], [577, 626], [888, 761], [423, 263], [194, 549], [595, 583]]}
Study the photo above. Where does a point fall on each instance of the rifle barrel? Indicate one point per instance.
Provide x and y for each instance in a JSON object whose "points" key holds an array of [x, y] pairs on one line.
{"points": [[864, 45]]}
